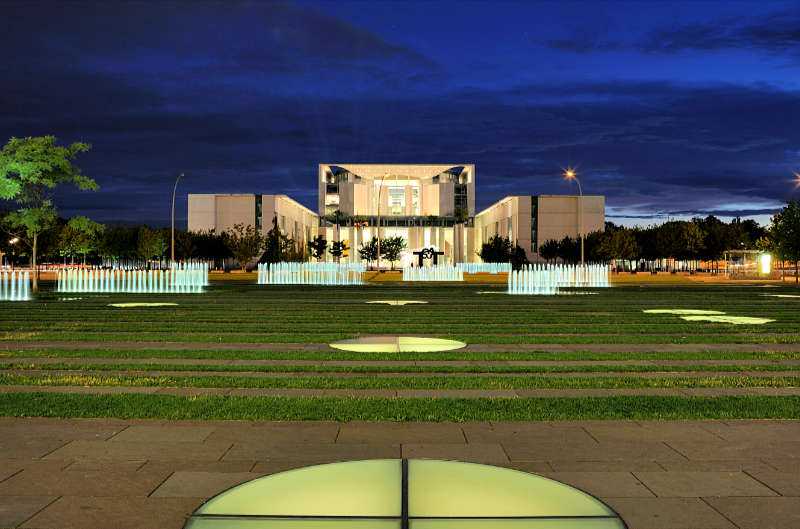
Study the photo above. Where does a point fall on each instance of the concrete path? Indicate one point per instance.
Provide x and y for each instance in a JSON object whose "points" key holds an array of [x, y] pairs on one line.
{"points": [[99, 474]]}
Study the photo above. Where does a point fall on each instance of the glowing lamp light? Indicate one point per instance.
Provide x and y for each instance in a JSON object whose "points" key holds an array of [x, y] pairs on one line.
{"points": [[765, 263]]}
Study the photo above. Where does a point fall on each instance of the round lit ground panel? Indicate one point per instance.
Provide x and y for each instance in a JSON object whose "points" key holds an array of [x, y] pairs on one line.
{"points": [[398, 302], [136, 305], [735, 320], [681, 312], [404, 494], [397, 344]]}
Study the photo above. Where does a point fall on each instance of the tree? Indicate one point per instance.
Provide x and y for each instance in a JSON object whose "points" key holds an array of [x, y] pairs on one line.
{"points": [[496, 250], [369, 250], [150, 244], [118, 242], [338, 249], [317, 247], [693, 240], [391, 248], [785, 234], [549, 250], [278, 247], [569, 250], [79, 236], [245, 243], [30, 171], [518, 257]]}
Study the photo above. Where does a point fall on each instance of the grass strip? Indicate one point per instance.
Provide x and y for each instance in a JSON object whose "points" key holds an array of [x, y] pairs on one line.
{"points": [[432, 382], [139, 406], [563, 356], [441, 369]]}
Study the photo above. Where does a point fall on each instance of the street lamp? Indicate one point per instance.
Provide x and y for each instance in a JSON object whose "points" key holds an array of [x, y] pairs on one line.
{"points": [[174, 189], [380, 190], [571, 174]]}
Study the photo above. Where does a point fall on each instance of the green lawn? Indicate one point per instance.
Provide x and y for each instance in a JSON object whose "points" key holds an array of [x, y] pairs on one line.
{"points": [[251, 315]]}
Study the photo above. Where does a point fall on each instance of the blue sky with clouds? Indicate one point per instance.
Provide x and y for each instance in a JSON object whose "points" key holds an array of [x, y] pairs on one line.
{"points": [[669, 109]]}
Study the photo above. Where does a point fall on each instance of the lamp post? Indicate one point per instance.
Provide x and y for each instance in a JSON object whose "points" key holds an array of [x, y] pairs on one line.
{"points": [[380, 190], [572, 174], [172, 246]]}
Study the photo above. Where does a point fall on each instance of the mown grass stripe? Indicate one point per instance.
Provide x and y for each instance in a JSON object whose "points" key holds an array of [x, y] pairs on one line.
{"points": [[433, 369], [138, 406], [423, 382]]}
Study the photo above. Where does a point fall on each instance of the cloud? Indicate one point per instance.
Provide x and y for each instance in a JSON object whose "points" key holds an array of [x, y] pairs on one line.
{"points": [[777, 33]]}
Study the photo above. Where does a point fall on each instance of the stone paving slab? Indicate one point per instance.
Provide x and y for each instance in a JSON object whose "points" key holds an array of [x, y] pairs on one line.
{"points": [[760, 513], [14, 510], [669, 513], [164, 434], [604, 484], [676, 484], [116, 513], [127, 450], [370, 432], [83, 483], [185, 484], [473, 452]]}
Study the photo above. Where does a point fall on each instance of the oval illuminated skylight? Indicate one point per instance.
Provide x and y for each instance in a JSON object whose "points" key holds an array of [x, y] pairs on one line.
{"points": [[404, 494], [136, 305], [397, 344], [689, 312], [398, 302]]}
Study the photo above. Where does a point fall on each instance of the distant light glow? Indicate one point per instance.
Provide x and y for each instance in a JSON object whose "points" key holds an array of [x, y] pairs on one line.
{"points": [[765, 263], [132, 305]]}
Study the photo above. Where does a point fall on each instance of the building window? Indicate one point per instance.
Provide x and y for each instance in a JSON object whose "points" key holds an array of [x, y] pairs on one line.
{"points": [[397, 200], [534, 223], [415, 201], [460, 197], [259, 210]]}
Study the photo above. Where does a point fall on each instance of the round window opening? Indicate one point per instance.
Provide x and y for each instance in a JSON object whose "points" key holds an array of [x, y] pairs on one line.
{"points": [[404, 494]]}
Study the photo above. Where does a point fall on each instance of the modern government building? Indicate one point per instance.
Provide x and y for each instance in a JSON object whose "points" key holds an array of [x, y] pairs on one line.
{"points": [[430, 206]]}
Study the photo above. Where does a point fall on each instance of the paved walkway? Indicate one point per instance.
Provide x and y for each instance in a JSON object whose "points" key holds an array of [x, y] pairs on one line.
{"points": [[87, 474]]}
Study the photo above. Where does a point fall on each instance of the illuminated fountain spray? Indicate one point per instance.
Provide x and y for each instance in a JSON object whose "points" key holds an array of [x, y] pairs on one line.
{"points": [[483, 268], [545, 280], [433, 273], [332, 274], [15, 286], [177, 280]]}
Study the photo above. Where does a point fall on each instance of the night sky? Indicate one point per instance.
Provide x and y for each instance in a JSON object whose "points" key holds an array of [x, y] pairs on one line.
{"points": [[668, 109]]}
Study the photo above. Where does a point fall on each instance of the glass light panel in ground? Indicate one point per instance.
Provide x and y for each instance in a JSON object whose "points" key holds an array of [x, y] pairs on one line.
{"points": [[396, 344], [468, 490], [368, 495], [359, 488]]}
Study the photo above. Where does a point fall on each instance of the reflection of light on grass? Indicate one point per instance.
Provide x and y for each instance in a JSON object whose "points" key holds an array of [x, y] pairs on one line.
{"points": [[397, 344], [132, 305], [398, 302], [782, 295], [369, 495], [69, 299], [682, 311], [735, 320]]}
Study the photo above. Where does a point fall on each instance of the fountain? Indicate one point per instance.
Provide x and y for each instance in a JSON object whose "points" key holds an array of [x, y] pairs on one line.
{"points": [[484, 268], [15, 286], [546, 280], [333, 274], [181, 278], [433, 273]]}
